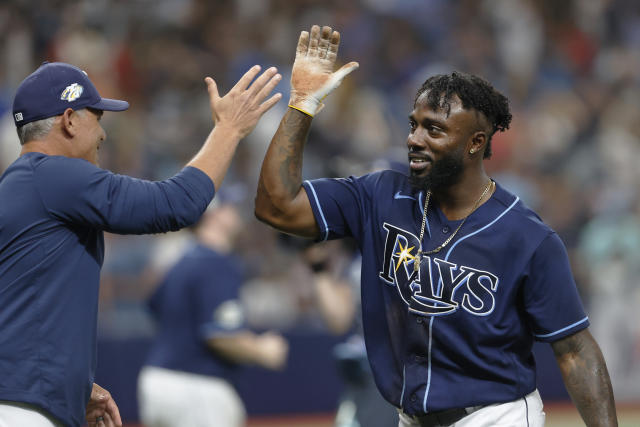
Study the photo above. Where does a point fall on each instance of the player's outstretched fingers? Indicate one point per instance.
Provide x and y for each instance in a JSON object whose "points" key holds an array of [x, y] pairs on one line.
{"points": [[334, 43], [323, 44], [246, 79], [261, 81], [313, 42], [345, 69], [303, 44], [267, 88]]}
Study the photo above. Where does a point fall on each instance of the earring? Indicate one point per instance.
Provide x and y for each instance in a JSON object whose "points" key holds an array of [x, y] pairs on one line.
{"points": [[472, 151]]}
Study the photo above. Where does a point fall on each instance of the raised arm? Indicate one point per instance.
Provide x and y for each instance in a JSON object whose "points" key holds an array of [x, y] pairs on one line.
{"points": [[586, 378], [235, 115], [281, 200]]}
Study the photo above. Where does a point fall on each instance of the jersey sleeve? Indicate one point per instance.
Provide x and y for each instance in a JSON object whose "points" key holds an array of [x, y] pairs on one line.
{"points": [[337, 205], [550, 294], [76, 191], [217, 302]]}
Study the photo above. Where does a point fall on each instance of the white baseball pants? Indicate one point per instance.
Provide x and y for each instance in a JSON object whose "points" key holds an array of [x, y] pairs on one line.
{"points": [[14, 414], [523, 412]]}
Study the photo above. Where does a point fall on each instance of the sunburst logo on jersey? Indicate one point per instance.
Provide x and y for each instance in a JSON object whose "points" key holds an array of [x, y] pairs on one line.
{"points": [[404, 255], [72, 92]]}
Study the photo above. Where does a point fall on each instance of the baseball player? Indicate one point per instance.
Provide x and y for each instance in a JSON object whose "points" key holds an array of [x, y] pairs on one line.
{"points": [[203, 340], [56, 204], [459, 277]]}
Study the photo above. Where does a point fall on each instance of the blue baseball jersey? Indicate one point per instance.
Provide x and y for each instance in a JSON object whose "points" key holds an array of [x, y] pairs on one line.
{"points": [[197, 300], [459, 331], [53, 213]]}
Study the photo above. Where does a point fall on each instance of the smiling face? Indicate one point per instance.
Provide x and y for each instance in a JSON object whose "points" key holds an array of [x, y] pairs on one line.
{"points": [[437, 142], [89, 136]]}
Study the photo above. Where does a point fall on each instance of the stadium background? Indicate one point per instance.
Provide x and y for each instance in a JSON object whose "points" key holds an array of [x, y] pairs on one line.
{"points": [[570, 68]]}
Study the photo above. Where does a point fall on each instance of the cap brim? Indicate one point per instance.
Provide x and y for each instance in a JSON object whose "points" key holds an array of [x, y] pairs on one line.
{"points": [[107, 104]]}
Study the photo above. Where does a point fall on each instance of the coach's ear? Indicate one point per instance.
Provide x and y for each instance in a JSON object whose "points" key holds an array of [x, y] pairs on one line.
{"points": [[478, 142], [69, 122]]}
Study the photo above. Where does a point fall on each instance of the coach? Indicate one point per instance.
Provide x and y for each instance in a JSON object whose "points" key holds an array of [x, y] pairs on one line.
{"points": [[55, 205]]}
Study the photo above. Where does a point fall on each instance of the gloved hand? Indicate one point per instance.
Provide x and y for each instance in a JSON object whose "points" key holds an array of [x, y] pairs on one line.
{"points": [[312, 77]]}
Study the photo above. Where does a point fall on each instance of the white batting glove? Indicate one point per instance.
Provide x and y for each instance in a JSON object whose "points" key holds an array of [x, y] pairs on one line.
{"points": [[312, 77]]}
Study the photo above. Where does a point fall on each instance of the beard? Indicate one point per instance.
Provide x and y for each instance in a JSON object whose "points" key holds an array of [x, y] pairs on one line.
{"points": [[444, 173]]}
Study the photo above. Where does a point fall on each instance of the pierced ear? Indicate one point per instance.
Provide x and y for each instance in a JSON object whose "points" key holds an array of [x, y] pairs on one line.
{"points": [[478, 142]]}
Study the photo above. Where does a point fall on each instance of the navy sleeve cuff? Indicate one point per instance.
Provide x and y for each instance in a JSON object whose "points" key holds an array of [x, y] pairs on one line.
{"points": [[563, 332]]}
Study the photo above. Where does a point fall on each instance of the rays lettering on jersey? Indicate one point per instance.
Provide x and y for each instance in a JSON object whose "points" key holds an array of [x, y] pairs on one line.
{"points": [[438, 287]]}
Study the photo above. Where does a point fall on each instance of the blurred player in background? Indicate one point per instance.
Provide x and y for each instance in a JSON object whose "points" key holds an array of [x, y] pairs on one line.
{"points": [[336, 281], [202, 338], [56, 204], [459, 277]]}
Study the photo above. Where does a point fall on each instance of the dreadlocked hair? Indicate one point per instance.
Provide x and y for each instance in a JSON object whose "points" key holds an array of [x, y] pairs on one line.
{"points": [[474, 92]]}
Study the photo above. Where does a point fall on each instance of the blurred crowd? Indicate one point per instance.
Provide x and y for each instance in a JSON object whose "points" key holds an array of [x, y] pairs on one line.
{"points": [[571, 70]]}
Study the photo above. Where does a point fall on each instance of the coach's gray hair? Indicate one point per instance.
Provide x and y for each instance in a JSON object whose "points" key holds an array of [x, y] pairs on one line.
{"points": [[35, 130]]}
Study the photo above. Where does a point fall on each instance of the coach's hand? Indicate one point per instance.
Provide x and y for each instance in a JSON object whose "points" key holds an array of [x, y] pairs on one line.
{"points": [[240, 109], [102, 410], [312, 77]]}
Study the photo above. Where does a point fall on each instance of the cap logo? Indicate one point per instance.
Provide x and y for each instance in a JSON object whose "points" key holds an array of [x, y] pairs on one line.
{"points": [[72, 92], [18, 117]]}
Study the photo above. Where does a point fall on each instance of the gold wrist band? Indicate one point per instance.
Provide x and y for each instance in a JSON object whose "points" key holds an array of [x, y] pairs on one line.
{"points": [[302, 111]]}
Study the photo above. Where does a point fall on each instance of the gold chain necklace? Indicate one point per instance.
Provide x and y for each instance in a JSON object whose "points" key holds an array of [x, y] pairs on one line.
{"points": [[418, 257]]}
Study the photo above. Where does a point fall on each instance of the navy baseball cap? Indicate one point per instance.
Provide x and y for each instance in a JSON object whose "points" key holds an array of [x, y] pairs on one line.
{"points": [[53, 88]]}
